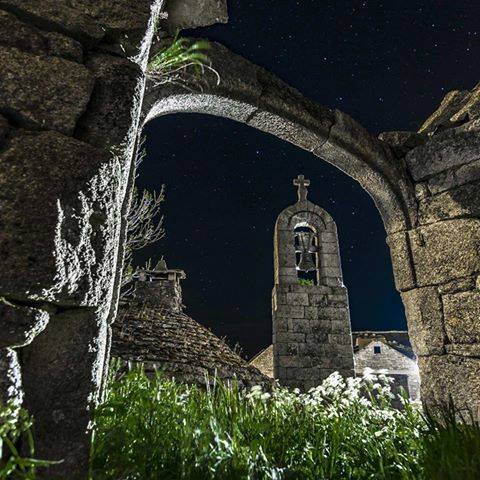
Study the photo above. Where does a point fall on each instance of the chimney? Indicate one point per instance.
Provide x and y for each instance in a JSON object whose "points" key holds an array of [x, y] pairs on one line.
{"points": [[160, 288]]}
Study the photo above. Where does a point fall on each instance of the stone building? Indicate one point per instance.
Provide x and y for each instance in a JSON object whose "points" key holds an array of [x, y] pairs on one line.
{"points": [[383, 352], [152, 330], [390, 353], [311, 319]]}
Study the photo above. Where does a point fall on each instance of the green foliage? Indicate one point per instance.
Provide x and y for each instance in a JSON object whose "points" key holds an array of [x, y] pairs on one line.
{"points": [[451, 447], [304, 281], [156, 428], [15, 427], [181, 53]]}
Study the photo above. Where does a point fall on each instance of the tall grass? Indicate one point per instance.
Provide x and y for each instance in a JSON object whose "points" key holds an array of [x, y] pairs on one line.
{"points": [[178, 55], [159, 429], [15, 429], [451, 446], [344, 429]]}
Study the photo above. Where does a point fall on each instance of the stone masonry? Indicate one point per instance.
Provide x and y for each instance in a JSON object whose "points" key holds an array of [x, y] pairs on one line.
{"points": [[153, 330], [311, 322], [72, 89], [440, 287], [391, 353]]}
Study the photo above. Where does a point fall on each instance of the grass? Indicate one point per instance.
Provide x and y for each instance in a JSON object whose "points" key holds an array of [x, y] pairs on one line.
{"points": [[451, 447], [178, 55], [155, 428], [15, 429], [158, 429]]}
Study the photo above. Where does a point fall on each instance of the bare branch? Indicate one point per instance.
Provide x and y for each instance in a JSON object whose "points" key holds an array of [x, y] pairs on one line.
{"points": [[144, 224]]}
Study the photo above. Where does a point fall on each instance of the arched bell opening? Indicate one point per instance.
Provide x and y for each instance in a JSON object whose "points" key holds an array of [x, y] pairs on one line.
{"points": [[307, 254]]}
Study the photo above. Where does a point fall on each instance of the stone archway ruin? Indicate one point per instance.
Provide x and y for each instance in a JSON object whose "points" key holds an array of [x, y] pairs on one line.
{"points": [[422, 184], [72, 90]]}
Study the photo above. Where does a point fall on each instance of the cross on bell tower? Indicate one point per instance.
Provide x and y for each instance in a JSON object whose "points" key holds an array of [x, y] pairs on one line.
{"points": [[302, 183]]}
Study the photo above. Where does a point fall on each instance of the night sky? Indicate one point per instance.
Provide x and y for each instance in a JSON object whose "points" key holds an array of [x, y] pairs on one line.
{"points": [[388, 64]]}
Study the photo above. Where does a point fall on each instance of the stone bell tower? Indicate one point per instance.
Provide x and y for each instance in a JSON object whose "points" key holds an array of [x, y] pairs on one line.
{"points": [[311, 319]]}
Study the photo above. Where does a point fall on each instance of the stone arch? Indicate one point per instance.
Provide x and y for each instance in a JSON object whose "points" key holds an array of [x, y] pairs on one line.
{"points": [[403, 172], [249, 94]]}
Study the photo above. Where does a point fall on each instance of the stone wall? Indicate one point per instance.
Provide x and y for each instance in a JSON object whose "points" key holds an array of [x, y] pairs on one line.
{"points": [[71, 81], [311, 323], [393, 361], [439, 282]]}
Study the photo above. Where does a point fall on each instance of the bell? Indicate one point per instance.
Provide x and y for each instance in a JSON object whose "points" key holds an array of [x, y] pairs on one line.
{"points": [[306, 248], [306, 263]]}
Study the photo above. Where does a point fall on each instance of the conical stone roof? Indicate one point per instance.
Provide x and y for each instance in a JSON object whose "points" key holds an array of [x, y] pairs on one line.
{"points": [[152, 329]]}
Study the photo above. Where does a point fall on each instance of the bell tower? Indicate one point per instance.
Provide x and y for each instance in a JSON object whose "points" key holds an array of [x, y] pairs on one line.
{"points": [[311, 319]]}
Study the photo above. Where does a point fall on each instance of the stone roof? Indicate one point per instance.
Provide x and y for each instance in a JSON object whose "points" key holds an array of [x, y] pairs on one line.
{"points": [[397, 339], [264, 361], [159, 335]]}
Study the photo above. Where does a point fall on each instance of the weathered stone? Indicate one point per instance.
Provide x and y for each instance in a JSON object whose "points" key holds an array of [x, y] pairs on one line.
{"points": [[62, 46], [458, 109], [462, 316], [20, 325], [467, 173], [249, 94], [108, 118], [425, 320], [367, 160], [194, 13], [61, 370], [451, 104], [470, 111], [42, 92], [460, 202], [297, 299], [57, 231], [464, 349], [446, 150], [446, 250], [403, 271], [318, 300], [14, 33], [4, 127], [454, 177], [89, 21], [10, 377], [402, 142], [422, 191], [448, 377], [307, 349], [458, 285], [289, 311]]}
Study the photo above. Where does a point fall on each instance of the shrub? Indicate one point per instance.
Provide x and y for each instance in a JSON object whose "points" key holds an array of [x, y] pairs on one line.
{"points": [[305, 281], [178, 55]]}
